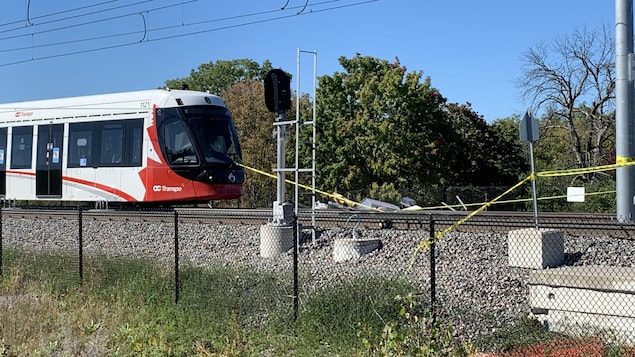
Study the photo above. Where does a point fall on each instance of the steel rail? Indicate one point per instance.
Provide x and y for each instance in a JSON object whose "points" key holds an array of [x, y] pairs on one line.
{"points": [[575, 224]]}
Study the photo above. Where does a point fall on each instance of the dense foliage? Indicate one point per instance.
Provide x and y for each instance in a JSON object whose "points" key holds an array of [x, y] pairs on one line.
{"points": [[381, 125], [384, 132], [215, 77]]}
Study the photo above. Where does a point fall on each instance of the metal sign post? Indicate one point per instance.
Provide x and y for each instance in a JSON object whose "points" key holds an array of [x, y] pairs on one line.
{"points": [[529, 132]]}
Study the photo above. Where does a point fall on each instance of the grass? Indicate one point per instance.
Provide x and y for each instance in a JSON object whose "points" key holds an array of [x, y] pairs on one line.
{"points": [[125, 307]]}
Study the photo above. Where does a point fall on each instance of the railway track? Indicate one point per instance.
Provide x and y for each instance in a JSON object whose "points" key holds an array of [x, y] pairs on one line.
{"points": [[576, 224]]}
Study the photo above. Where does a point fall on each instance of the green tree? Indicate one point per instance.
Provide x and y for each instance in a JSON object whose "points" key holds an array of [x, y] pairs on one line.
{"points": [[217, 76], [512, 158], [484, 155], [377, 123]]}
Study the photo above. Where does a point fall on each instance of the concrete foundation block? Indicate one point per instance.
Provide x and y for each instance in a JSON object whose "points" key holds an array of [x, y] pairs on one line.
{"points": [[535, 248], [349, 248], [586, 300], [275, 239]]}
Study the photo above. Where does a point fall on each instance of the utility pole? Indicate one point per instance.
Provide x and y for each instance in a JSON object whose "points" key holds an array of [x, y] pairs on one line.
{"points": [[624, 147]]}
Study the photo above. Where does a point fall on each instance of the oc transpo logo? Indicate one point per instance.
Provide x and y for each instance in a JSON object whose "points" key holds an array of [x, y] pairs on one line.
{"points": [[162, 188], [23, 114]]}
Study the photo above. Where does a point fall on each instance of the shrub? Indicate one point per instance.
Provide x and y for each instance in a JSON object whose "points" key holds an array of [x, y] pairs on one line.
{"points": [[415, 333]]}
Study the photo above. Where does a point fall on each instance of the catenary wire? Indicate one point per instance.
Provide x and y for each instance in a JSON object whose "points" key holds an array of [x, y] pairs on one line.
{"points": [[164, 28], [94, 21], [70, 53], [31, 18]]}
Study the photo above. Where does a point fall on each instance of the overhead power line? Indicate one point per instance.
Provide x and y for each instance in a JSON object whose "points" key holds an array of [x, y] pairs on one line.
{"points": [[143, 34], [92, 22], [67, 11], [30, 20]]}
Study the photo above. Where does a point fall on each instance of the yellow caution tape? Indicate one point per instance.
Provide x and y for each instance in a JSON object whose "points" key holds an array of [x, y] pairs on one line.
{"points": [[426, 243], [335, 196], [621, 160], [429, 241]]}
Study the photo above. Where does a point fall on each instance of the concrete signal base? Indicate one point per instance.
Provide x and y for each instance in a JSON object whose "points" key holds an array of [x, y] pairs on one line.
{"points": [[535, 248], [275, 239], [349, 248]]}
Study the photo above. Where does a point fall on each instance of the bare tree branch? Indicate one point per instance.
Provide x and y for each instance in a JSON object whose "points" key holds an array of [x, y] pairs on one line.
{"points": [[572, 82]]}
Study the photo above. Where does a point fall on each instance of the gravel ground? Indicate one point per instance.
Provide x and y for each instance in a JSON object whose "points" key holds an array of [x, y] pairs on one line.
{"points": [[477, 291]]}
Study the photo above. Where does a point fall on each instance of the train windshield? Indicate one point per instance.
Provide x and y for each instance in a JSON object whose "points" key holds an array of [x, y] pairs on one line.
{"points": [[206, 130], [214, 132]]}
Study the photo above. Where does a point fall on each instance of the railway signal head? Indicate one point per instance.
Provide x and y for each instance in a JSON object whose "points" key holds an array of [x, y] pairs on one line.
{"points": [[277, 91]]}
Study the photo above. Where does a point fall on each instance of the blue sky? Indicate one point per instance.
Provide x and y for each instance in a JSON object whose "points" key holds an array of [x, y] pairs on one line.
{"points": [[469, 49]]}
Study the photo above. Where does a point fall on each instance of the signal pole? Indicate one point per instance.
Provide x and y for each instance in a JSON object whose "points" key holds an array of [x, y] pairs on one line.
{"points": [[277, 236]]}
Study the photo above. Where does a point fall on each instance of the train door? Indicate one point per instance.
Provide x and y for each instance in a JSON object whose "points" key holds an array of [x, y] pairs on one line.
{"points": [[3, 165], [48, 174]]}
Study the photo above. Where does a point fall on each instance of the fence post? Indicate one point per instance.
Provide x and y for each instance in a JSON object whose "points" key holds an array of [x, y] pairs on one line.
{"points": [[80, 242], [177, 285], [433, 279], [296, 246]]}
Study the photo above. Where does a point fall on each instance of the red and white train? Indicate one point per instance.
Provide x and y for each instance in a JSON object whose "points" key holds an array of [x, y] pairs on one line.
{"points": [[155, 146]]}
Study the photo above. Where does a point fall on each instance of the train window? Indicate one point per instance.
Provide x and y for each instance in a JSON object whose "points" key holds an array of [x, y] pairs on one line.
{"points": [[80, 144], [111, 140], [116, 143], [133, 143], [21, 147], [214, 138], [176, 143], [215, 133]]}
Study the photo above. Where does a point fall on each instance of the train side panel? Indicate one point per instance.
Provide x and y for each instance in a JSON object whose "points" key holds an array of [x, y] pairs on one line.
{"points": [[100, 148]]}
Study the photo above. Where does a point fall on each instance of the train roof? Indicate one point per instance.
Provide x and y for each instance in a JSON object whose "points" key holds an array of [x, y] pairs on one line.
{"points": [[163, 98], [122, 105]]}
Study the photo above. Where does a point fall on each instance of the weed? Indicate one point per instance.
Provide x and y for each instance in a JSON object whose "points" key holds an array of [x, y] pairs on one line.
{"points": [[92, 327], [415, 333]]}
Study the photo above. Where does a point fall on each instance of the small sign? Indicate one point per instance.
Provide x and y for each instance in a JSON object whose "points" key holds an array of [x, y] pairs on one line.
{"points": [[575, 194], [56, 155], [528, 128]]}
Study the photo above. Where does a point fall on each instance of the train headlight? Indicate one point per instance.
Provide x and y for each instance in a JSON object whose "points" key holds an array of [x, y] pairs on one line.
{"points": [[205, 176]]}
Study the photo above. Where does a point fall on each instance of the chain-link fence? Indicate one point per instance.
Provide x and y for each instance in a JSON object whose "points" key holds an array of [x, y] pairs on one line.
{"points": [[573, 275]]}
